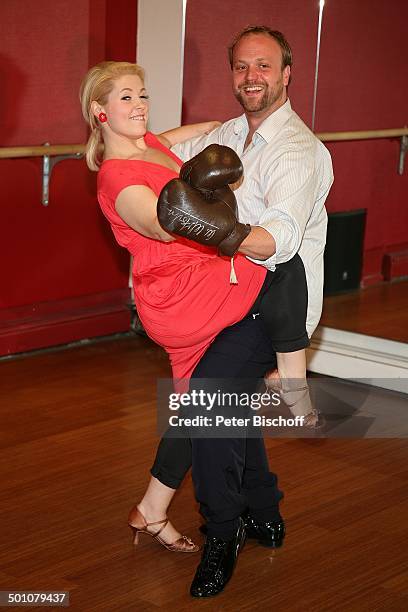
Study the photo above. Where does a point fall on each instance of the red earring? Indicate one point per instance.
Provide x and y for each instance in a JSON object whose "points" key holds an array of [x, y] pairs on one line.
{"points": [[102, 117]]}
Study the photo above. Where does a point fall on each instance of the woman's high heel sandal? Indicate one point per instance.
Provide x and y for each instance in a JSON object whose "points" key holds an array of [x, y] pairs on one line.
{"points": [[295, 395], [138, 524]]}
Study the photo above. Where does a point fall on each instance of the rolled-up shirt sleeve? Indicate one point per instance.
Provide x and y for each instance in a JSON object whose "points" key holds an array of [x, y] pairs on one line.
{"points": [[291, 185]]}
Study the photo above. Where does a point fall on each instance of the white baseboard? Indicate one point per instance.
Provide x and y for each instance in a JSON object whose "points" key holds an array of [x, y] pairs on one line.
{"points": [[343, 354]]}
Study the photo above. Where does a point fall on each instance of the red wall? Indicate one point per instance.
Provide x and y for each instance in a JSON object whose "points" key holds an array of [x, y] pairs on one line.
{"points": [[362, 85], [61, 259]]}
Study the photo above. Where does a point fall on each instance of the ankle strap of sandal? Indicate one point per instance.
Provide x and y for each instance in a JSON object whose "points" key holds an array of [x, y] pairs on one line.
{"points": [[163, 524]]}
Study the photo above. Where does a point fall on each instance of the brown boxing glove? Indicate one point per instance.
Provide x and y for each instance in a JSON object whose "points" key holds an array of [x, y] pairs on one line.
{"points": [[208, 219], [230, 245], [216, 166]]}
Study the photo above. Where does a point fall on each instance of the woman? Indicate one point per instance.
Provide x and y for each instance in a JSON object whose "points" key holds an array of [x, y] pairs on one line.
{"points": [[170, 275]]}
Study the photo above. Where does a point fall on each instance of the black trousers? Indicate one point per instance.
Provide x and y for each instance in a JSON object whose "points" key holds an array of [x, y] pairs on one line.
{"points": [[230, 474]]}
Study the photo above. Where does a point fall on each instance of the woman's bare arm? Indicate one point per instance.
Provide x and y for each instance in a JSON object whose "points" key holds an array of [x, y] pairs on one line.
{"points": [[187, 132], [137, 206]]}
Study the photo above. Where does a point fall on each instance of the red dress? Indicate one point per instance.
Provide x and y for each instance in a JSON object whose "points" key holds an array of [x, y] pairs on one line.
{"points": [[182, 290]]}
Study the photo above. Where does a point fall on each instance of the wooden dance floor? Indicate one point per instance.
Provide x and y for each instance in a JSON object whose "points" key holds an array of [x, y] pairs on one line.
{"points": [[77, 440], [380, 311]]}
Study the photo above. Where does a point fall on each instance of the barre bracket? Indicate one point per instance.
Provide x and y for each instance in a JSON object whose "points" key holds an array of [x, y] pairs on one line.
{"points": [[403, 150], [48, 165]]}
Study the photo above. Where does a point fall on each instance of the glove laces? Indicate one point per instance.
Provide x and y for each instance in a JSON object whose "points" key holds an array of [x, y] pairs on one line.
{"points": [[233, 276]]}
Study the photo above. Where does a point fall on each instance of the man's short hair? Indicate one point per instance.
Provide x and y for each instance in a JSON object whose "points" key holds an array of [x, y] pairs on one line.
{"points": [[260, 29]]}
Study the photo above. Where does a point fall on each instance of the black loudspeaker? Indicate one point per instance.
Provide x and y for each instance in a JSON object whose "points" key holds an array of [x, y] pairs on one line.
{"points": [[343, 257]]}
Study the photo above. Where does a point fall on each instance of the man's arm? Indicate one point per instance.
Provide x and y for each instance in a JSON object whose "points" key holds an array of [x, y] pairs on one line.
{"points": [[259, 244]]}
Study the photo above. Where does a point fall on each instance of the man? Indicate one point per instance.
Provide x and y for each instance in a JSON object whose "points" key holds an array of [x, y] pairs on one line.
{"points": [[288, 175]]}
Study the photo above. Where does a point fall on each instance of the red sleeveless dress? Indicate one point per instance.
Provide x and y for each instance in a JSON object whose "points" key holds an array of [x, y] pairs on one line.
{"points": [[182, 290]]}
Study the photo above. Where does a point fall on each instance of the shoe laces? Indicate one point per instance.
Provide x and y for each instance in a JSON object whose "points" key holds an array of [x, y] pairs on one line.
{"points": [[213, 554]]}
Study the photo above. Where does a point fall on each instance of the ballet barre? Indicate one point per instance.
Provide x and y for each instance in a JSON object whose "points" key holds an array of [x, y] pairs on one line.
{"points": [[52, 154], [401, 133], [40, 150], [362, 134]]}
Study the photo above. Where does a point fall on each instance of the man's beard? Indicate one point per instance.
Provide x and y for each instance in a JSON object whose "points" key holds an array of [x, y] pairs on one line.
{"points": [[269, 97]]}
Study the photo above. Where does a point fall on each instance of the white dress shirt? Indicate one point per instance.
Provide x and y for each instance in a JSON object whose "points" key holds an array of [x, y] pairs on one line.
{"points": [[287, 177]]}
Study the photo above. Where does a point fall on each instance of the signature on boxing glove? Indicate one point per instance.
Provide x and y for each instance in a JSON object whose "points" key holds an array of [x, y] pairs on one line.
{"points": [[188, 224]]}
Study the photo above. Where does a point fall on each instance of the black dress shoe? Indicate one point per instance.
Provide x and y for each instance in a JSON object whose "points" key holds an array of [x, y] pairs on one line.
{"points": [[217, 564], [269, 534]]}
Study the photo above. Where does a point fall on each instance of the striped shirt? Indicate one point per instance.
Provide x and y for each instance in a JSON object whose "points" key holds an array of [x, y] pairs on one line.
{"points": [[288, 174]]}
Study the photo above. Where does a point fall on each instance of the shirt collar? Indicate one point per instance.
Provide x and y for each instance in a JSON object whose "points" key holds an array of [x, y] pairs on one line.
{"points": [[270, 126]]}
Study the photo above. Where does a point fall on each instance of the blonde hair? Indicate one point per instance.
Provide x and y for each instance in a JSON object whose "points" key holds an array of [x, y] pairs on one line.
{"points": [[96, 86]]}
